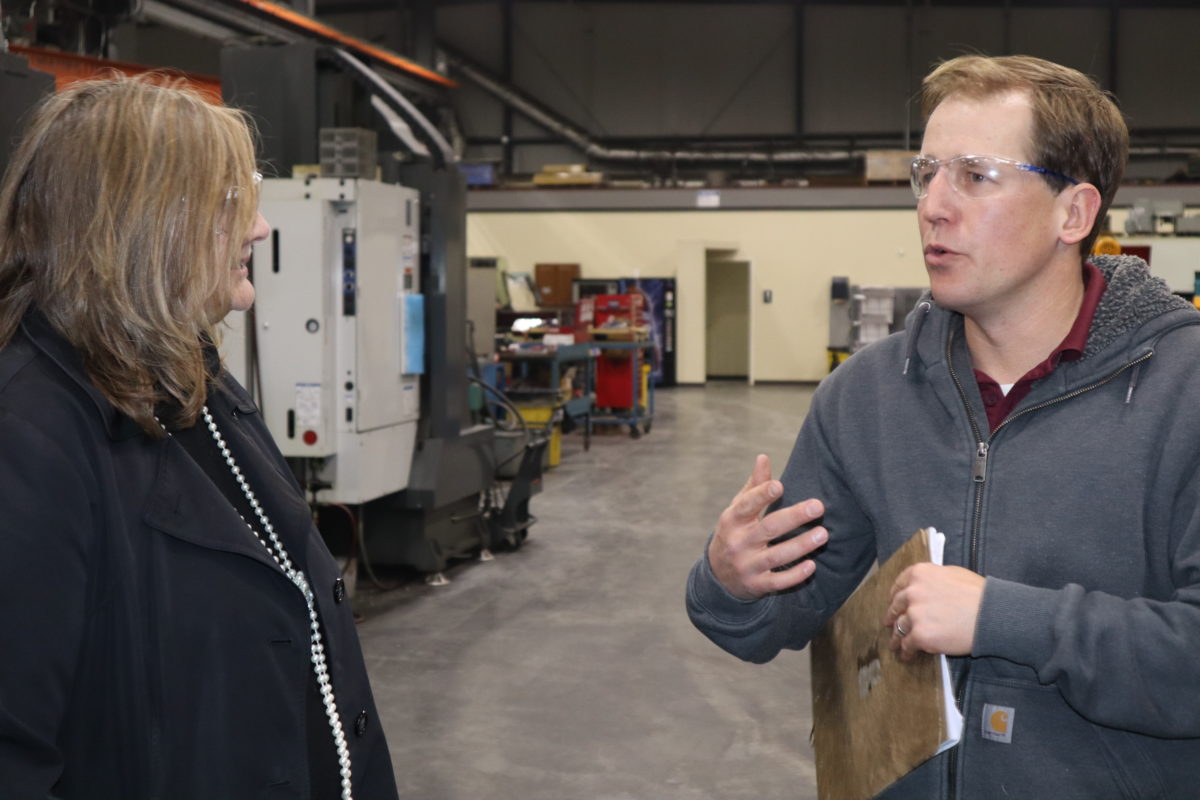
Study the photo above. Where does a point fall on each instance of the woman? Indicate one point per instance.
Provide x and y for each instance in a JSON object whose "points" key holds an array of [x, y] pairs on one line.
{"points": [[173, 626]]}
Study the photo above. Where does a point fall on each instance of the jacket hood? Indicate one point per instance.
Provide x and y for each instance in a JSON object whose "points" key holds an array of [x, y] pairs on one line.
{"points": [[1132, 299]]}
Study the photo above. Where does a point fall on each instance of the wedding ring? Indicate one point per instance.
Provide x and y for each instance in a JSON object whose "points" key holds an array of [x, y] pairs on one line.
{"points": [[900, 630]]}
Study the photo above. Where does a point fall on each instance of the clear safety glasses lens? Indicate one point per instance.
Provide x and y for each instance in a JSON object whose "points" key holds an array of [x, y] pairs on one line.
{"points": [[976, 176]]}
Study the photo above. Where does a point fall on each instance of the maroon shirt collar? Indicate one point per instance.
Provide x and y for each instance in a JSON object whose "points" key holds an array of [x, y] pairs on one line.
{"points": [[999, 405]]}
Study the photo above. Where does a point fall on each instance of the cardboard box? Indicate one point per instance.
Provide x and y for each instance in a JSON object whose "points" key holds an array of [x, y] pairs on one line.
{"points": [[623, 334], [891, 166], [568, 178]]}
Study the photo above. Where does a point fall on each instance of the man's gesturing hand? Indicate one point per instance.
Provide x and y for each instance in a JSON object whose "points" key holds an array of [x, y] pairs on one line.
{"points": [[741, 554]]}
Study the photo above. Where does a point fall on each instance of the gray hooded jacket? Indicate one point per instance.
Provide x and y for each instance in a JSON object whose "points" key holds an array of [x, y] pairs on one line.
{"points": [[1083, 511]]}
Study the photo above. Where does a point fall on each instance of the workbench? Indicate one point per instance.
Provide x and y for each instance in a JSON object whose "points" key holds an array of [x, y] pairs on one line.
{"points": [[537, 376]]}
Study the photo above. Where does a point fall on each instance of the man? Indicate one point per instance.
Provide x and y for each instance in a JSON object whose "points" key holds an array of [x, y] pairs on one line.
{"points": [[1039, 410]]}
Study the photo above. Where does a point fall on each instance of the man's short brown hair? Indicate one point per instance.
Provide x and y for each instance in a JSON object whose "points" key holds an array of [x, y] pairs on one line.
{"points": [[1077, 128]]}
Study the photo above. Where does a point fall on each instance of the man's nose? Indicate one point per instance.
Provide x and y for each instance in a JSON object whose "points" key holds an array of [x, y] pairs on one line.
{"points": [[940, 197]]}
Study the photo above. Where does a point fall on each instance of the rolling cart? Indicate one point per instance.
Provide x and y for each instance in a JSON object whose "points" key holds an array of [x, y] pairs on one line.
{"points": [[624, 391]]}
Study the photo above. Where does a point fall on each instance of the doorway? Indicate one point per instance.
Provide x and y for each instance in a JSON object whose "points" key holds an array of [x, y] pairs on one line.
{"points": [[727, 340]]}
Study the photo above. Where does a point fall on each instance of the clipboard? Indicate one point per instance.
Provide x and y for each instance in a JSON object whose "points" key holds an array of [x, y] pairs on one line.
{"points": [[876, 718]]}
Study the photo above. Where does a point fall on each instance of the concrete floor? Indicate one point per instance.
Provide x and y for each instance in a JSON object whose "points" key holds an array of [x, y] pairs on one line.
{"points": [[568, 670]]}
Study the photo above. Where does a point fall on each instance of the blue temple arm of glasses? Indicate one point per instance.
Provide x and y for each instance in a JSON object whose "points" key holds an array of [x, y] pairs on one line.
{"points": [[1052, 173]]}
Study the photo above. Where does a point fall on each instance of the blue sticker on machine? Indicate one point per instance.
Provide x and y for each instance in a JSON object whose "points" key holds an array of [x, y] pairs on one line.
{"points": [[414, 334]]}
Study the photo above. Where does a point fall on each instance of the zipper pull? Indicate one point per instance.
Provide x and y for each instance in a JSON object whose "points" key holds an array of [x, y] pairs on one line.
{"points": [[981, 462]]}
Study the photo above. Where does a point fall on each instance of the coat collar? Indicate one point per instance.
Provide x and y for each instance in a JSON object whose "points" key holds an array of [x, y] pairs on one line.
{"points": [[45, 338], [117, 424], [185, 504], [1135, 310]]}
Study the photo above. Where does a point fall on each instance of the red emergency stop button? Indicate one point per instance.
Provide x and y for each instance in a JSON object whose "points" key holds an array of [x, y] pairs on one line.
{"points": [[310, 437]]}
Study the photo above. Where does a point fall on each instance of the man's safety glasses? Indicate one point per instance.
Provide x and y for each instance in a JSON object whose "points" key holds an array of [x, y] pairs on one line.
{"points": [[975, 176]]}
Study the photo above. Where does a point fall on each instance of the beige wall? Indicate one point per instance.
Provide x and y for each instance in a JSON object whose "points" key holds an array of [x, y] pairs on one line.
{"points": [[794, 254]]}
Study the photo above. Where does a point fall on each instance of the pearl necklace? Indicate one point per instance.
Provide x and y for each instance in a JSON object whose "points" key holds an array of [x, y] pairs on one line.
{"points": [[297, 577]]}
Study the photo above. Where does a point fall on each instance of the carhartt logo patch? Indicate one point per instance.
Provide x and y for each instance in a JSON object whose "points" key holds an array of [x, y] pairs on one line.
{"points": [[998, 723]]}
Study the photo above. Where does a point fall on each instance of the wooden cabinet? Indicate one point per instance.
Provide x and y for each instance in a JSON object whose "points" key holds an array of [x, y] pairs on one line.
{"points": [[554, 283]]}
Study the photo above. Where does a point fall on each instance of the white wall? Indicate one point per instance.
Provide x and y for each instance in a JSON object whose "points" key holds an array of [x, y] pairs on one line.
{"points": [[795, 254]]}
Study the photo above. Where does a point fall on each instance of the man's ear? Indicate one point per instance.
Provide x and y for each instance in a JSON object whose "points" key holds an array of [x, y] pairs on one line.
{"points": [[1081, 204]]}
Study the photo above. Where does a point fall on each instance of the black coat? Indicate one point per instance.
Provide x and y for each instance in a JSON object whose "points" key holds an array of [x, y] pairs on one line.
{"points": [[151, 647]]}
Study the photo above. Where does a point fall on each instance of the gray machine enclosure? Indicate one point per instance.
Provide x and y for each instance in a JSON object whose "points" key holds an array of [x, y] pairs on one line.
{"points": [[333, 350], [292, 92]]}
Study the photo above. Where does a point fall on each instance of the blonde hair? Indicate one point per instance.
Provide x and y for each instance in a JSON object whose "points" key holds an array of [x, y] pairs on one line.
{"points": [[122, 214], [1077, 128]]}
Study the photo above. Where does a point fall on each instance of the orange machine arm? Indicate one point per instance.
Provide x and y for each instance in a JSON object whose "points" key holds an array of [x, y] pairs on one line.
{"points": [[331, 34], [68, 68]]}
